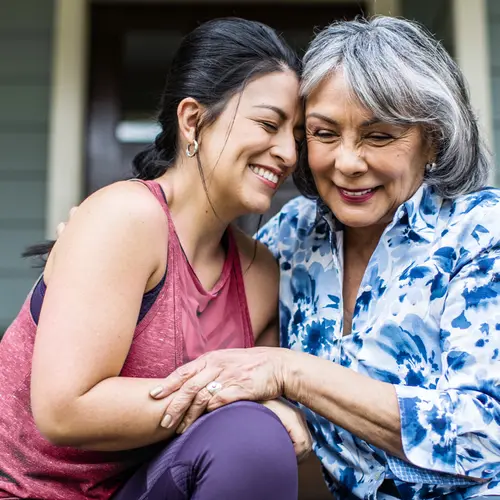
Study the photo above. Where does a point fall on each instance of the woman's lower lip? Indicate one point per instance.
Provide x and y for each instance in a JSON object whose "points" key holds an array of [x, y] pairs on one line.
{"points": [[266, 181], [356, 199]]}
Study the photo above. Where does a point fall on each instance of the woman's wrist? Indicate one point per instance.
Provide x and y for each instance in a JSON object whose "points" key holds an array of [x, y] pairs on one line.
{"points": [[288, 373]]}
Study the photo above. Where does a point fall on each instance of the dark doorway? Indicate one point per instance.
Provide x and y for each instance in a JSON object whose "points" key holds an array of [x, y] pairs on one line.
{"points": [[131, 49]]}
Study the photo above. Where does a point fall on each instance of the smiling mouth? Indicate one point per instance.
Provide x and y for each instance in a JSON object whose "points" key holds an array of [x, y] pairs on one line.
{"points": [[265, 174], [359, 193]]}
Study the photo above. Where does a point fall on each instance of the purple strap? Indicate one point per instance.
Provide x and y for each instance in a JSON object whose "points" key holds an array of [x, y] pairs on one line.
{"points": [[38, 295]]}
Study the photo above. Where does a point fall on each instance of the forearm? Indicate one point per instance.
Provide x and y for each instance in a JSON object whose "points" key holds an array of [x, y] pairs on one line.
{"points": [[116, 414], [365, 407]]}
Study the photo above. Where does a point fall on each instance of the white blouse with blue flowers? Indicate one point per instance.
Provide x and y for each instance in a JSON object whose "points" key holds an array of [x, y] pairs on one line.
{"points": [[426, 319]]}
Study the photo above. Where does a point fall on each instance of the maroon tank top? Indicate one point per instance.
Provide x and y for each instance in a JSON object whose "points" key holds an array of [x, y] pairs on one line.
{"points": [[184, 321]]}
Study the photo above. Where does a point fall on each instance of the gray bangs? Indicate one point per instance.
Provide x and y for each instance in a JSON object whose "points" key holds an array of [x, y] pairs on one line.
{"points": [[402, 75]]}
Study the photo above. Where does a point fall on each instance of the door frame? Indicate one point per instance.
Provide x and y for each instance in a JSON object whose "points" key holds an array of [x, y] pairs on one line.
{"points": [[109, 26], [67, 134]]}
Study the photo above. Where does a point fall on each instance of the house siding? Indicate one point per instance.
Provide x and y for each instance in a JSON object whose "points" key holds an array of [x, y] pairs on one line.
{"points": [[25, 53]]}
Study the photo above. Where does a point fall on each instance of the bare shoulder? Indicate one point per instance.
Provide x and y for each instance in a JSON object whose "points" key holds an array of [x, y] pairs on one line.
{"points": [[122, 214], [261, 277], [122, 204], [130, 201]]}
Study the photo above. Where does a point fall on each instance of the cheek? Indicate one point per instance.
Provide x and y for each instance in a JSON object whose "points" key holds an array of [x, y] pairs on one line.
{"points": [[405, 176], [249, 141], [319, 158]]}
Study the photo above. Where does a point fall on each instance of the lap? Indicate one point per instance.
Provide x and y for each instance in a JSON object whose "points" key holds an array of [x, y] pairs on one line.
{"points": [[230, 442]]}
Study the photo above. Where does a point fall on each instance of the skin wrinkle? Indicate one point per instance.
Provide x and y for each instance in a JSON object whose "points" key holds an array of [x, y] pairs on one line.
{"points": [[429, 90], [422, 103], [395, 165]]}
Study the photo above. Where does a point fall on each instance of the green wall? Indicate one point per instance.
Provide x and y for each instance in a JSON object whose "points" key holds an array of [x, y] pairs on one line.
{"points": [[25, 68]]}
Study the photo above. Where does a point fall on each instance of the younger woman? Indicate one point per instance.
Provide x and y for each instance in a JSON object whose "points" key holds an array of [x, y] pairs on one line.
{"points": [[150, 275]]}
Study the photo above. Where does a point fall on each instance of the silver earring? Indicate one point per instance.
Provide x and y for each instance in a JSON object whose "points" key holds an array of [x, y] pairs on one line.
{"points": [[191, 152], [430, 167]]}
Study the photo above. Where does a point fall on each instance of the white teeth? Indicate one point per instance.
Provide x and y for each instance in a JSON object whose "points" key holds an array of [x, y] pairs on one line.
{"points": [[266, 174], [357, 193]]}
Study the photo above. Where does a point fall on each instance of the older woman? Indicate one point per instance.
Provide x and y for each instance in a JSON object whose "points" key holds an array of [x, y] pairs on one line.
{"points": [[390, 278]]}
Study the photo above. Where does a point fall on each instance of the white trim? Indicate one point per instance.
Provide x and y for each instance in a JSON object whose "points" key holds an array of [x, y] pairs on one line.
{"points": [[472, 53], [67, 136], [67, 112]]}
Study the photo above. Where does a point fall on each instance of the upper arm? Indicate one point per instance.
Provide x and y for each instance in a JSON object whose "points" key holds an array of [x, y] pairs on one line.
{"points": [[261, 277], [470, 321], [454, 428], [97, 275], [470, 318]]}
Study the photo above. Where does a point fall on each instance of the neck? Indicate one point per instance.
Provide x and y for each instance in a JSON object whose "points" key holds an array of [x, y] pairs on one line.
{"points": [[199, 228], [362, 241]]}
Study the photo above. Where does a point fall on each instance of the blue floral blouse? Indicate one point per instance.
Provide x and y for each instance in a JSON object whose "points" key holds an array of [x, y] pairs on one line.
{"points": [[426, 319]]}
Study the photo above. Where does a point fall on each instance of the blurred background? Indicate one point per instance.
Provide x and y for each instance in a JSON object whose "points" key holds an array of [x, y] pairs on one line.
{"points": [[80, 82]]}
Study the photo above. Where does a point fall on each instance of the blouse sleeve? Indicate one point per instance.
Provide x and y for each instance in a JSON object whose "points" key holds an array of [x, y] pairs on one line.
{"points": [[455, 428], [269, 235]]}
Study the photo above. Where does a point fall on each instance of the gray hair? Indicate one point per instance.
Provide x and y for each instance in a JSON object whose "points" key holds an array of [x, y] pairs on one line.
{"points": [[402, 74]]}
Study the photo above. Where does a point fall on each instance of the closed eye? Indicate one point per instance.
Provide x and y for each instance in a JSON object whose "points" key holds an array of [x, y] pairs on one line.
{"points": [[380, 137], [325, 134], [270, 126]]}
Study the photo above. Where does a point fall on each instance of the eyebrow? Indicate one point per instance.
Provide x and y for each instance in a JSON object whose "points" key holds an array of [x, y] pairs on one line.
{"points": [[373, 121], [277, 110], [327, 119]]}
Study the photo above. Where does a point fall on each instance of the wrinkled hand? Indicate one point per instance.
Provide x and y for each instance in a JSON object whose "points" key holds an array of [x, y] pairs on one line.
{"points": [[295, 423], [253, 374], [62, 225]]}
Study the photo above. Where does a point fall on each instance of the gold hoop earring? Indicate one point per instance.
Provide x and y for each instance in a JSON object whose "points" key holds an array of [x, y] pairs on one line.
{"points": [[192, 152]]}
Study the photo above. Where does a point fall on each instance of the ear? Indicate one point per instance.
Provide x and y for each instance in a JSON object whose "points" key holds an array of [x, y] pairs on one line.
{"points": [[430, 146], [189, 113]]}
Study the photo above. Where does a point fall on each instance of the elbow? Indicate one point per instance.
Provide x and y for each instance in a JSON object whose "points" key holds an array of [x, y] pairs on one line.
{"points": [[56, 425]]}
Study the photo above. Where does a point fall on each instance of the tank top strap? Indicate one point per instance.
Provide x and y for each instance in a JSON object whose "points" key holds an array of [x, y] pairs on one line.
{"points": [[171, 278], [157, 192]]}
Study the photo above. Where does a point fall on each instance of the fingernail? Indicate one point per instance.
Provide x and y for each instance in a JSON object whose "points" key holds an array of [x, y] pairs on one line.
{"points": [[166, 421], [181, 428], [154, 392]]}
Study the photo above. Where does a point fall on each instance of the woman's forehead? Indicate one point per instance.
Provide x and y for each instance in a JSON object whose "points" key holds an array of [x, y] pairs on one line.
{"points": [[277, 92], [334, 96], [280, 84]]}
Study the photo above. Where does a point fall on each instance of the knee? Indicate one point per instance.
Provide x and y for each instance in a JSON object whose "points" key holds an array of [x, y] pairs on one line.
{"points": [[256, 430], [249, 434], [241, 451]]}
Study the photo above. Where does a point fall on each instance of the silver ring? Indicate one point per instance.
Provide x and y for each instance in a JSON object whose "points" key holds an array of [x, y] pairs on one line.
{"points": [[214, 387]]}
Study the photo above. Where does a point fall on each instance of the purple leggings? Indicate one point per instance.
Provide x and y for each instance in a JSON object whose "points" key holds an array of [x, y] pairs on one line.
{"points": [[240, 451]]}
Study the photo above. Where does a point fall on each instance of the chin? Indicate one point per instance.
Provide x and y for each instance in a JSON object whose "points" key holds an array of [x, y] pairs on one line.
{"points": [[356, 223], [357, 220], [258, 204]]}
